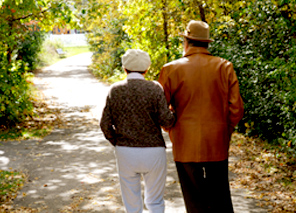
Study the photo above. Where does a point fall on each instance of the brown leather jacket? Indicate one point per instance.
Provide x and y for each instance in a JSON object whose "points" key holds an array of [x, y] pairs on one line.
{"points": [[204, 92]]}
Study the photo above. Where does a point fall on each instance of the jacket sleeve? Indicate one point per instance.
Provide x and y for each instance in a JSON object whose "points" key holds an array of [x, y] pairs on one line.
{"points": [[164, 81], [236, 108], [106, 124]]}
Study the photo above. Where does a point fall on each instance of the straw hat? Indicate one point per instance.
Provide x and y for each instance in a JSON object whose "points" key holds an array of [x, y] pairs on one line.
{"points": [[197, 30], [136, 60]]}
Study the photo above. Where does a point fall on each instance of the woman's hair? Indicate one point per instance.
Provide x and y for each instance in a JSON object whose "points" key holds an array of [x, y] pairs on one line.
{"points": [[197, 43], [128, 71]]}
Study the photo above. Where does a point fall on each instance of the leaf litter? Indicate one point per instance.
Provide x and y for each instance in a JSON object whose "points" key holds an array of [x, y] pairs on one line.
{"points": [[267, 173]]}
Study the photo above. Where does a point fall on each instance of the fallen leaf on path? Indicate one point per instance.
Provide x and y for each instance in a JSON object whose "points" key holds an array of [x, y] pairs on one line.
{"points": [[268, 173]]}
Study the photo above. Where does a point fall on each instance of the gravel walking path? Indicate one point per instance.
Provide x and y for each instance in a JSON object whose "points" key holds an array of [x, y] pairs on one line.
{"points": [[73, 169]]}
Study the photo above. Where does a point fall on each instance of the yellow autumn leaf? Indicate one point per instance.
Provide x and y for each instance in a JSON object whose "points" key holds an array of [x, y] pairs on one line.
{"points": [[289, 143]]}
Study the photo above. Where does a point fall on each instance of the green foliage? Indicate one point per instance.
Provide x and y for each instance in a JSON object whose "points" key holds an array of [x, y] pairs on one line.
{"points": [[18, 18], [151, 26], [107, 55], [15, 104], [30, 47], [108, 40], [19, 47], [260, 41], [148, 26], [259, 37], [118, 26]]}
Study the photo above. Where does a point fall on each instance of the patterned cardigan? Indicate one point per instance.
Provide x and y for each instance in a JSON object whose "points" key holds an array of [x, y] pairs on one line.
{"points": [[134, 112]]}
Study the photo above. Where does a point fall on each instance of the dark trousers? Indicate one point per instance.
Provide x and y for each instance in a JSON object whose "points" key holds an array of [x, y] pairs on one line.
{"points": [[205, 186]]}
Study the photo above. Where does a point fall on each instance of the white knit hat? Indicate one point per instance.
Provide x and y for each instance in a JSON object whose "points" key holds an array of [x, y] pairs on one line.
{"points": [[136, 60]]}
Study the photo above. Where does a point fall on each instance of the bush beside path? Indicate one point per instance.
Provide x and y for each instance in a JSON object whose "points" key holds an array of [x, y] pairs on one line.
{"points": [[73, 169]]}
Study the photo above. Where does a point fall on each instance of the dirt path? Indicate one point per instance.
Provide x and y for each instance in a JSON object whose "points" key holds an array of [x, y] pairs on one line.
{"points": [[73, 169]]}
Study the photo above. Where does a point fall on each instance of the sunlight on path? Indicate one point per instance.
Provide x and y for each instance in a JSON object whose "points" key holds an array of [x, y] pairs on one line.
{"points": [[73, 169], [68, 83]]}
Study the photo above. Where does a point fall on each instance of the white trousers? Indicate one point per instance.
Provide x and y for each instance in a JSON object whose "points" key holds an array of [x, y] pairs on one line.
{"points": [[149, 162]]}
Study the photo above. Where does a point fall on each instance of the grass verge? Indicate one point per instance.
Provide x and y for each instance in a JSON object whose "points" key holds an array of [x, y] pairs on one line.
{"points": [[10, 183], [49, 55], [71, 51]]}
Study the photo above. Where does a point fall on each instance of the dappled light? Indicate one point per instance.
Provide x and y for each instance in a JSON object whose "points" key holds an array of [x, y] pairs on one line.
{"points": [[4, 160], [74, 167]]}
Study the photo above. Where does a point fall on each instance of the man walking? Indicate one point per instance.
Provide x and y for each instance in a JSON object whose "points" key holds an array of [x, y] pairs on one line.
{"points": [[203, 91]]}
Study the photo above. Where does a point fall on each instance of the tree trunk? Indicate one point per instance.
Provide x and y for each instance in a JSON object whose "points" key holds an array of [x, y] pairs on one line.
{"points": [[201, 11], [9, 50], [165, 27]]}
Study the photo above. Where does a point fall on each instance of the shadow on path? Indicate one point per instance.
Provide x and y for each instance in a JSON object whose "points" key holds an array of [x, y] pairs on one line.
{"points": [[73, 169]]}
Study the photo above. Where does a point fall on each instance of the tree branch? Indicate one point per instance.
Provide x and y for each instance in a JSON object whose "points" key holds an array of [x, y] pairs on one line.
{"points": [[29, 15]]}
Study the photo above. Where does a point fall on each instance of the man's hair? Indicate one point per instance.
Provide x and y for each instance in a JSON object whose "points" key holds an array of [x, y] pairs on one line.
{"points": [[197, 43]]}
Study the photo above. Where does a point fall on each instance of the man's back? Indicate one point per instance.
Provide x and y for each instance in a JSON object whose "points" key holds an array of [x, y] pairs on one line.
{"points": [[203, 90]]}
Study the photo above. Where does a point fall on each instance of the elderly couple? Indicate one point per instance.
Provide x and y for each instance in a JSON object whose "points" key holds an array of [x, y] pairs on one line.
{"points": [[198, 101]]}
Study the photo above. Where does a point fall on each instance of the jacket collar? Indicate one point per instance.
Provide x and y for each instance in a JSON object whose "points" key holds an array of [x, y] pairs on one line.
{"points": [[196, 50]]}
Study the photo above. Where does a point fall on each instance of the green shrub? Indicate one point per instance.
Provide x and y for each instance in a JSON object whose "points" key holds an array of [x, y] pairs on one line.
{"points": [[260, 40], [108, 45], [15, 104], [30, 47]]}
